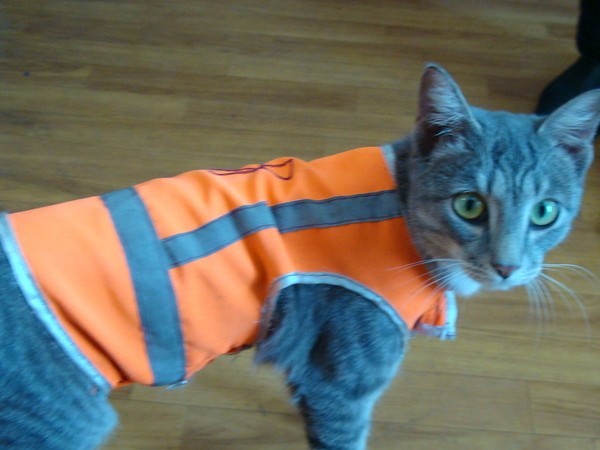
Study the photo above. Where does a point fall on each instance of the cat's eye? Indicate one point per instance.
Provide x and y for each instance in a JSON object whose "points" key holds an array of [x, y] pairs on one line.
{"points": [[469, 206], [544, 213]]}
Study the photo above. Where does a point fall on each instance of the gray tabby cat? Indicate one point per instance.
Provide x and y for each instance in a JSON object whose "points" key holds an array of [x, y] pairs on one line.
{"points": [[485, 194]]}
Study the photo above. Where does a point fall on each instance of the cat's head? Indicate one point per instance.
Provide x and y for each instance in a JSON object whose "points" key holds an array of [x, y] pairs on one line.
{"points": [[491, 192]]}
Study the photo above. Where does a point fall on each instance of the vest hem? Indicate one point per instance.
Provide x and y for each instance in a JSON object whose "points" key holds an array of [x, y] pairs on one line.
{"points": [[36, 301], [446, 332]]}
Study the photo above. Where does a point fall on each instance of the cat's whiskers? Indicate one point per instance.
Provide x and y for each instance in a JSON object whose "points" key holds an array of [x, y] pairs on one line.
{"points": [[533, 293], [441, 281], [541, 303], [433, 274], [569, 296], [548, 304], [442, 284], [573, 268], [476, 272], [424, 262], [540, 291]]}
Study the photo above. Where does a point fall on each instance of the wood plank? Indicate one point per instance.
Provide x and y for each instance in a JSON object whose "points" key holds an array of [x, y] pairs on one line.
{"points": [[512, 355], [441, 400], [388, 436], [136, 434], [562, 409]]}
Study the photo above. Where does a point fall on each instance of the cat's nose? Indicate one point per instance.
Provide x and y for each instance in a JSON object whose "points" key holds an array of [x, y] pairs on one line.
{"points": [[505, 271]]}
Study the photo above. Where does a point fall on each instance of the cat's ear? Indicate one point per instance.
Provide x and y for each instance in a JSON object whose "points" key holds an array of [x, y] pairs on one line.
{"points": [[573, 126], [443, 111]]}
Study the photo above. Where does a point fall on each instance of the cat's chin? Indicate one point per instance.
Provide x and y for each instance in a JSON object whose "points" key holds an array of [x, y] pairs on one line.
{"points": [[465, 286], [457, 280]]}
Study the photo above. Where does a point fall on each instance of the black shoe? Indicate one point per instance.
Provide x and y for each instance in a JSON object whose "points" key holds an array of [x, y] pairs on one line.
{"points": [[582, 76]]}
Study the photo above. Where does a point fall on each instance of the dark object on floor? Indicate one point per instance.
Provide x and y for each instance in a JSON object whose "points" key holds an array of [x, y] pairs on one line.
{"points": [[580, 77]]}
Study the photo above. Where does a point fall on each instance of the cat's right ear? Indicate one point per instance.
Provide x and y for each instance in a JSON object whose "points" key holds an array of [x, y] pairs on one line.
{"points": [[444, 113]]}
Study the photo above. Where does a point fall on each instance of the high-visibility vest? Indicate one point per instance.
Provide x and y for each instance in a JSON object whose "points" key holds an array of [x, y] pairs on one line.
{"points": [[151, 283]]}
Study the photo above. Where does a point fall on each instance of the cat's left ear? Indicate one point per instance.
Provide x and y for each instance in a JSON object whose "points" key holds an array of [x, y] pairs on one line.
{"points": [[573, 126]]}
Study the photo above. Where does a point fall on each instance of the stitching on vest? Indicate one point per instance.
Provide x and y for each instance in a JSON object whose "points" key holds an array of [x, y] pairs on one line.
{"points": [[266, 167]]}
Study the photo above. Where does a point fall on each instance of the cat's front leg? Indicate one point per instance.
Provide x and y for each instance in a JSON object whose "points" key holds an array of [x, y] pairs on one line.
{"points": [[339, 351]]}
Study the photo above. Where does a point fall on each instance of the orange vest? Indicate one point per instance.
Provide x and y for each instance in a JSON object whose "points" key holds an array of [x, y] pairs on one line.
{"points": [[152, 282]]}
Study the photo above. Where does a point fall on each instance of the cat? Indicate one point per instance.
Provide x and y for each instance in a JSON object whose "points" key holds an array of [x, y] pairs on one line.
{"points": [[482, 200]]}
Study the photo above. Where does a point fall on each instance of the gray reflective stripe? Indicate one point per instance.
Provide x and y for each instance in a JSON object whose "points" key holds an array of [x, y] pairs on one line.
{"points": [[218, 234], [36, 301], [149, 273], [336, 211], [286, 217]]}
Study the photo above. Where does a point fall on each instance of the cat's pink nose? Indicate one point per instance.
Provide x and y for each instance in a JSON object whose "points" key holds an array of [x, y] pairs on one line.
{"points": [[505, 271]]}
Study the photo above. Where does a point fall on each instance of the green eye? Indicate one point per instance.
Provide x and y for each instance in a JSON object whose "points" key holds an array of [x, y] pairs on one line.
{"points": [[469, 206], [544, 213]]}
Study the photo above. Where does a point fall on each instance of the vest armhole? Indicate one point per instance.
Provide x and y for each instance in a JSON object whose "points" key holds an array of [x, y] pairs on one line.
{"points": [[330, 279]]}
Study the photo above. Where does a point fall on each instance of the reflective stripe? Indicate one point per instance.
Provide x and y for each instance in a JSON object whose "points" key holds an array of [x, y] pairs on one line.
{"points": [[336, 211], [149, 273], [36, 301], [287, 217], [219, 233]]}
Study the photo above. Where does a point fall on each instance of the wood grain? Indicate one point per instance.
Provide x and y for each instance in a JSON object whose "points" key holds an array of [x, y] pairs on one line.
{"points": [[101, 94]]}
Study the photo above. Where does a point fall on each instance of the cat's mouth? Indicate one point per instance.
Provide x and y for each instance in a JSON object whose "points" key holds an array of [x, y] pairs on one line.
{"points": [[467, 279], [467, 275]]}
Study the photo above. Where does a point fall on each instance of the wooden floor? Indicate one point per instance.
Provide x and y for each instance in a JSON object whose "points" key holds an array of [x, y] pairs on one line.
{"points": [[100, 94]]}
